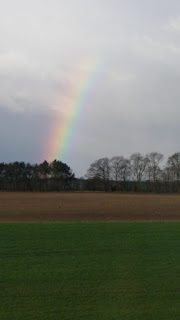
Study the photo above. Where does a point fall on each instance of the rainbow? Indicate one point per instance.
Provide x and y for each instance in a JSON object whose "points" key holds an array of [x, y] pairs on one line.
{"points": [[70, 110]]}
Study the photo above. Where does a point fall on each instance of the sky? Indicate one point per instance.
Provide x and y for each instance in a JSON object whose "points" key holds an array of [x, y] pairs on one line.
{"points": [[122, 57]]}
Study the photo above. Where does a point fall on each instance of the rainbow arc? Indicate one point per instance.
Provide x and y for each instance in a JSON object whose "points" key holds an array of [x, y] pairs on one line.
{"points": [[66, 126]]}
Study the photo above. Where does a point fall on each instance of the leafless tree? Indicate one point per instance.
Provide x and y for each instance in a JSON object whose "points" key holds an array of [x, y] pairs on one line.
{"points": [[174, 165], [153, 165], [100, 169], [138, 166], [119, 168], [166, 175]]}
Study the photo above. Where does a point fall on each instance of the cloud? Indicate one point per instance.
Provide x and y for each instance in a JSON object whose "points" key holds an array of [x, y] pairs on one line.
{"points": [[133, 103], [174, 24]]}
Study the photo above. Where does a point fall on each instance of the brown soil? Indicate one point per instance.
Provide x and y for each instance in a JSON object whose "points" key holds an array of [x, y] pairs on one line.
{"points": [[49, 207]]}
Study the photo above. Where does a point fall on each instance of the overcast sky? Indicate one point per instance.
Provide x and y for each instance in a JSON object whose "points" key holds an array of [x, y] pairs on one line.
{"points": [[134, 104]]}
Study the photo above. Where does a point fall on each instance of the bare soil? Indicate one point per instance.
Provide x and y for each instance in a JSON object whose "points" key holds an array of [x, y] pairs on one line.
{"points": [[49, 207]]}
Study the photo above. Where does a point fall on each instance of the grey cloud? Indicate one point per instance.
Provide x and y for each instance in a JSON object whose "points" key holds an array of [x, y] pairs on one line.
{"points": [[23, 135], [133, 104]]}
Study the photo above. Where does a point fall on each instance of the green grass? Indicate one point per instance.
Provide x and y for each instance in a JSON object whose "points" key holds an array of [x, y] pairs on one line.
{"points": [[123, 271]]}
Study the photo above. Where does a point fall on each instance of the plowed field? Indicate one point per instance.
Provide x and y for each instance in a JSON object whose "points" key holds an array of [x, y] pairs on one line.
{"points": [[50, 207]]}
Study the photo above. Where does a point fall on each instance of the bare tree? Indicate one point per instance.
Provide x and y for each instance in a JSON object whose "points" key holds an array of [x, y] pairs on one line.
{"points": [[174, 165], [166, 175], [120, 168], [138, 166], [116, 164], [100, 169], [153, 168]]}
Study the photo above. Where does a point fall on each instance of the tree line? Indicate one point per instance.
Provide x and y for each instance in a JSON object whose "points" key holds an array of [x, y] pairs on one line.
{"points": [[137, 173], [147, 173], [20, 176]]}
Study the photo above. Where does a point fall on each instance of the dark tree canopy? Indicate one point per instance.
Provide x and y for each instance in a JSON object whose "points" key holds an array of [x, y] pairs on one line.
{"points": [[45, 176]]}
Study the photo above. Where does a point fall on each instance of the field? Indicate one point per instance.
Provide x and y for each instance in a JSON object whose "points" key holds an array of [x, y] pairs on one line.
{"points": [[86, 268], [29, 207], [77, 271]]}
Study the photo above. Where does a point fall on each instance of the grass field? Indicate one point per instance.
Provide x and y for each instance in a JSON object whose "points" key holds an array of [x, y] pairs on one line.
{"points": [[108, 271], [49, 207]]}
